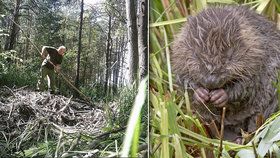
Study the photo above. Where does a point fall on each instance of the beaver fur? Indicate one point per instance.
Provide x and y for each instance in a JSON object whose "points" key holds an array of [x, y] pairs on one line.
{"points": [[229, 56]]}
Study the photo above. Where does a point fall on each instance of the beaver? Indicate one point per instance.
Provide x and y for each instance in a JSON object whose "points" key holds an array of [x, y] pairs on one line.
{"points": [[229, 56]]}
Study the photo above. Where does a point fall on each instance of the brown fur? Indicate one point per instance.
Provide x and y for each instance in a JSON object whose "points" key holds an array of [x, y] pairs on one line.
{"points": [[235, 49]]}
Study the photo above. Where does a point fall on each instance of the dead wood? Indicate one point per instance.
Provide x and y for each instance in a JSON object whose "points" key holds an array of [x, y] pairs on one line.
{"points": [[20, 106]]}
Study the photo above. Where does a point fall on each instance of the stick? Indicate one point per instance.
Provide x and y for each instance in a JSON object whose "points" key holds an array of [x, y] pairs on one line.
{"points": [[62, 109], [222, 131], [255, 151]]}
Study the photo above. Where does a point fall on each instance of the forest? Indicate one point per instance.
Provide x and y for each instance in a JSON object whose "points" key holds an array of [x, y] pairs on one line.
{"points": [[101, 86]]}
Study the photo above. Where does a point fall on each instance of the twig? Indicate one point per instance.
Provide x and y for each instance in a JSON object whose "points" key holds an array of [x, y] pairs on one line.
{"points": [[75, 142], [222, 132], [110, 132], [152, 152], [213, 129], [21, 88], [62, 109], [99, 138], [58, 144], [10, 90], [11, 110], [207, 108], [255, 151], [63, 129]]}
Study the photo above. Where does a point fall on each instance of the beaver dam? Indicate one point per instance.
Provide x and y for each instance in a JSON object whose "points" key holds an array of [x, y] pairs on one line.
{"points": [[38, 123]]}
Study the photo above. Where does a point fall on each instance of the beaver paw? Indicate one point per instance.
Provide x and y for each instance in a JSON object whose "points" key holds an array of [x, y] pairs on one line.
{"points": [[219, 97], [201, 95]]}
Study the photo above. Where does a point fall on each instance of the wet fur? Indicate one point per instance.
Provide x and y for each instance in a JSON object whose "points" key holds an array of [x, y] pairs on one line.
{"points": [[240, 51]]}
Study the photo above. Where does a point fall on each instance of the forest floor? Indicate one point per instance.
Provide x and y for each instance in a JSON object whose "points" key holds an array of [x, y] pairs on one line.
{"points": [[18, 106], [23, 110]]}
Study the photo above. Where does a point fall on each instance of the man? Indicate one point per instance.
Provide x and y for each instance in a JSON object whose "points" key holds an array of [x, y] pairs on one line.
{"points": [[49, 68]]}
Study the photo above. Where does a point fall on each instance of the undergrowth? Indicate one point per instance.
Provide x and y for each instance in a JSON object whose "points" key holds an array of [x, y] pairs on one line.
{"points": [[13, 72]]}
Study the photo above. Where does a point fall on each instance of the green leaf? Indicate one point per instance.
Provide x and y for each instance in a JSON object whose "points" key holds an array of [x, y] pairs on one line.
{"points": [[245, 153], [200, 5], [169, 22], [274, 130], [225, 154], [276, 150], [177, 146], [275, 138], [135, 113], [262, 6], [259, 136], [269, 137], [263, 147], [135, 140], [172, 113]]}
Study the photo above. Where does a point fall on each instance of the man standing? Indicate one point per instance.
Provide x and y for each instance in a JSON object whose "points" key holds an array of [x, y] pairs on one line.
{"points": [[49, 68]]}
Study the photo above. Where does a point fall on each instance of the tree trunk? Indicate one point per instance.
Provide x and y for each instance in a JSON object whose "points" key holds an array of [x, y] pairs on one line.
{"points": [[143, 38], [79, 45], [85, 66], [27, 43], [132, 41], [116, 66], [111, 60], [123, 52], [14, 30], [108, 46], [86, 62]]}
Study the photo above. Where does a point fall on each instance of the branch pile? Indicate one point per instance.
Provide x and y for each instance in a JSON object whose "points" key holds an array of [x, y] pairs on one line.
{"points": [[20, 107]]}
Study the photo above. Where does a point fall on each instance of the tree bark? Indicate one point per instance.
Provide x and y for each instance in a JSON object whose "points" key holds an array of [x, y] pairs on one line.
{"points": [[27, 43], [79, 46], [86, 62], [14, 30], [111, 61], [116, 67], [132, 41], [108, 46], [123, 46], [143, 38]]}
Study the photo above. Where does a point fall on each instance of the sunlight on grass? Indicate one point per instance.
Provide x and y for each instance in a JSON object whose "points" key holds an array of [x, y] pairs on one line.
{"points": [[132, 131]]}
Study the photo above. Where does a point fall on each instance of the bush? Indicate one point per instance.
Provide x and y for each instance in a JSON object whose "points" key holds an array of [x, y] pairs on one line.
{"points": [[94, 92], [13, 72]]}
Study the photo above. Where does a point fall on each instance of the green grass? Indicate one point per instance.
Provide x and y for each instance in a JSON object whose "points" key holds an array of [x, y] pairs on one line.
{"points": [[174, 130]]}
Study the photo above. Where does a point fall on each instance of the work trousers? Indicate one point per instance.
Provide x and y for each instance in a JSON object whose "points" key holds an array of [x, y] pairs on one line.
{"points": [[46, 72]]}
